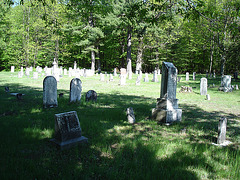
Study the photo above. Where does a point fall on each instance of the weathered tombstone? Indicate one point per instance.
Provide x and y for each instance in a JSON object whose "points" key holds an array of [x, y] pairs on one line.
{"points": [[111, 77], [49, 92], [27, 72], [167, 110], [155, 78], [67, 130], [187, 76], [208, 97], [75, 90], [158, 71], [123, 76], [179, 78], [91, 95], [237, 87], [203, 86], [12, 68], [20, 74], [115, 72], [101, 77], [130, 115], [146, 79], [75, 66], [194, 76], [65, 72], [222, 129], [226, 84], [138, 80], [35, 75]]}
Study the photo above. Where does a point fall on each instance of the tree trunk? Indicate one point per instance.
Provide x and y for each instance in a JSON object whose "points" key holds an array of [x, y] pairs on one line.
{"points": [[129, 58], [93, 61], [139, 54], [98, 60], [211, 55]]}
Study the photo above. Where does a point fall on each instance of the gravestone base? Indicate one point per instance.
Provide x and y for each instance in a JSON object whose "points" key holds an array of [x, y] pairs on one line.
{"points": [[167, 116], [69, 143]]}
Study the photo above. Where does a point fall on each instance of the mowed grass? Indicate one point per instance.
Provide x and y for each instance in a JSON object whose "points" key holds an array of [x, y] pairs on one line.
{"points": [[117, 149]]}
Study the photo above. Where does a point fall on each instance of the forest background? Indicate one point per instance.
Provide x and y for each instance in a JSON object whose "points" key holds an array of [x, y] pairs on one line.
{"points": [[195, 35]]}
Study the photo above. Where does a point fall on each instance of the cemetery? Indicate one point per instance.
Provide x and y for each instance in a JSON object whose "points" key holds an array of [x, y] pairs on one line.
{"points": [[119, 89], [106, 130]]}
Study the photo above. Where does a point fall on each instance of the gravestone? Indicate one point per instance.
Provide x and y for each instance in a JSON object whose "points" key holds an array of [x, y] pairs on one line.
{"points": [[167, 110], [194, 76], [50, 92], [130, 115], [158, 71], [115, 72], [91, 95], [101, 77], [226, 84], [20, 74], [214, 74], [187, 76], [146, 79], [65, 72], [138, 80], [155, 78], [67, 130], [203, 86], [222, 129], [179, 78], [27, 72], [35, 75], [237, 87], [12, 68], [208, 97], [111, 77], [75, 90], [75, 66], [123, 76]]}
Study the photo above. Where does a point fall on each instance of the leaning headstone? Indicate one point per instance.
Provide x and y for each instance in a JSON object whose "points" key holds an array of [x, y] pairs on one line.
{"points": [[194, 76], [75, 90], [91, 95], [226, 84], [203, 86], [50, 92], [167, 110], [12, 68], [67, 130], [146, 79], [130, 115], [187, 76], [222, 129]]}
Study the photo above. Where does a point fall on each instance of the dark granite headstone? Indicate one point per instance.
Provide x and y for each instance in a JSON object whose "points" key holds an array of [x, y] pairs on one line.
{"points": [[50, 92], [91, 95], [67, 130]]}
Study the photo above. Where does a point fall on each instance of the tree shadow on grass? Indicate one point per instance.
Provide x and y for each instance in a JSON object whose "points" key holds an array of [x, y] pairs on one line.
{"points": [[116, 149]]}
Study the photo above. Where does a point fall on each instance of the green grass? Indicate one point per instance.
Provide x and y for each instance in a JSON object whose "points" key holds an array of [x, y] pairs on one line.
{"points": [[116, 149]]}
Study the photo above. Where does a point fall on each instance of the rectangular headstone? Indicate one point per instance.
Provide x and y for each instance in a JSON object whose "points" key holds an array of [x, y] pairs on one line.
{"points": [[67, 130], [187, 76], [203, 86], [50, 92], [226, 84], [12, 68], [146, 79], [222, 129]]}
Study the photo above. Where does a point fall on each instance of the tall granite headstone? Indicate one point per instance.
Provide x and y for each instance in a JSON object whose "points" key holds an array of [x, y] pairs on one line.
{"points": [[49, 92], [75, 90], [167, 110], [203, 86], [67, 130]]}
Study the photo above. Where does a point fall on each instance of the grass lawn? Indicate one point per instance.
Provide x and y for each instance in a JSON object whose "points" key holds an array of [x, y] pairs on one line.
{"points": [[117, 149]]}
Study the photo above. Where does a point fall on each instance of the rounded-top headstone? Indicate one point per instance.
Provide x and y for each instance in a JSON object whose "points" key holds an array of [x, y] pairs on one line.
{"points": [[50, 92], [75, 90]]}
